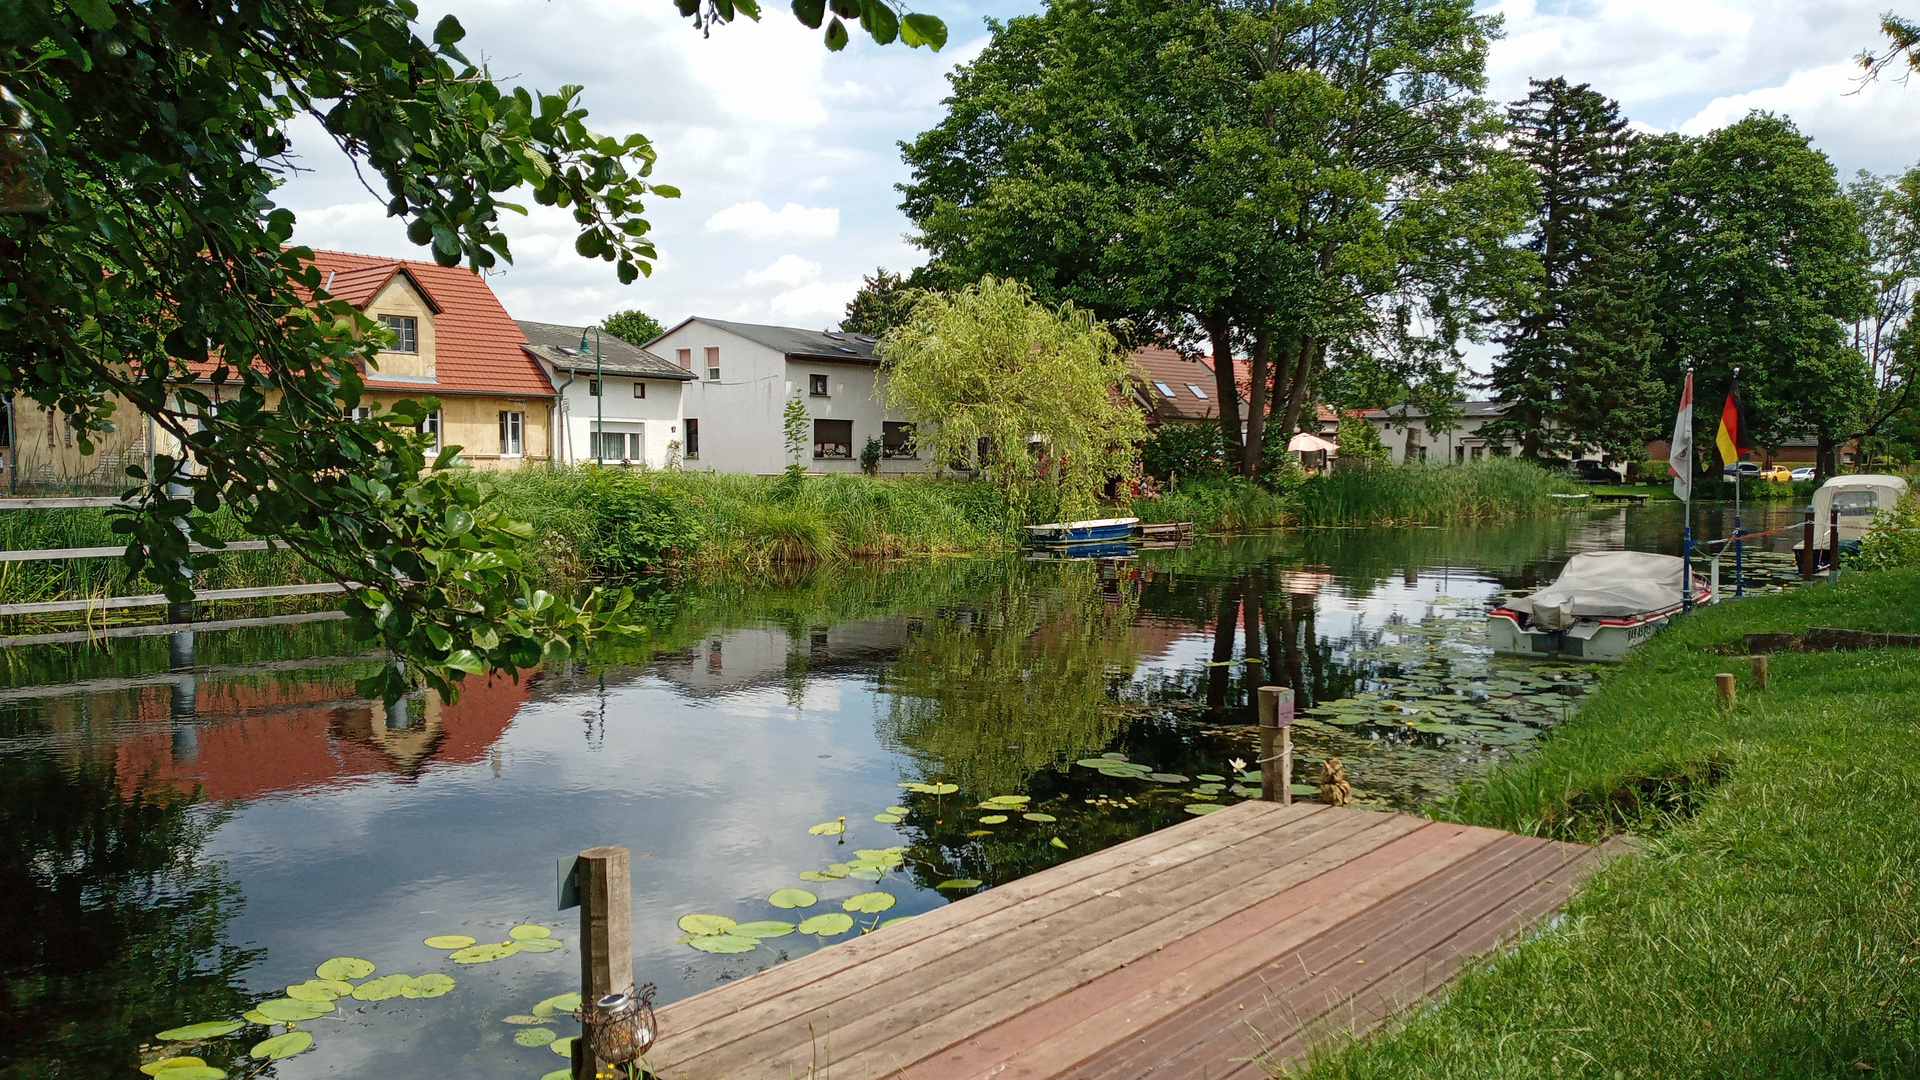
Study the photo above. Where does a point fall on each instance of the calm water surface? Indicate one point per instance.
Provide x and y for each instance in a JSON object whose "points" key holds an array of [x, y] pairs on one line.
{"points": [[178, 844]]}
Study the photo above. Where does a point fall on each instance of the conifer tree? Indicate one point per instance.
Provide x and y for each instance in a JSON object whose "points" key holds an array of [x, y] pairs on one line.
{"points": [[1574, 366]]}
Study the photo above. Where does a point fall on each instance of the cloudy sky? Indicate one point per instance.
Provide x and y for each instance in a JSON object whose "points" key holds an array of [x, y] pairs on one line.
{"points": [[787, 158]]}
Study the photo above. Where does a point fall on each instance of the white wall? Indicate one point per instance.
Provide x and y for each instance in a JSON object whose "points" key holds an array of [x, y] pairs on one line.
{"points": [[741, 413], [655, 417]]}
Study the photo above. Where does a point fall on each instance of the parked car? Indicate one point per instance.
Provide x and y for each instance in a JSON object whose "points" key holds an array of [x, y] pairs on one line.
{"points": [[1804, 472], [1748, 470], [1779, 473], [1594, 472]]}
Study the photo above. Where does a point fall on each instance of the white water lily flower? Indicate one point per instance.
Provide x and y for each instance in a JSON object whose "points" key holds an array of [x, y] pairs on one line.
{"points": [[1239, 765]]}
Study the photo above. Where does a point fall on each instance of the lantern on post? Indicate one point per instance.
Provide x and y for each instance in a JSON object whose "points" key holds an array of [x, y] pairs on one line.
{"points": [[23, 160], [620, 1026]]}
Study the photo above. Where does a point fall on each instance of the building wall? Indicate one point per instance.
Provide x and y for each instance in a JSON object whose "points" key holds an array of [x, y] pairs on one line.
{"points": [[655, 417], [44, 454], [741, 413], [1461, 442], [399, 297], [473, 423]]}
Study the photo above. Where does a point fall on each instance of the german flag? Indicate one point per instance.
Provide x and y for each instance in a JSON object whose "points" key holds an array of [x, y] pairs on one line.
{"points": [[1732, 436]]}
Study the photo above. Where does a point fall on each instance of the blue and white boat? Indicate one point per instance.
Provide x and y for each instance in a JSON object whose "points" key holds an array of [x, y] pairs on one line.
{"points": [[1080, 532]]}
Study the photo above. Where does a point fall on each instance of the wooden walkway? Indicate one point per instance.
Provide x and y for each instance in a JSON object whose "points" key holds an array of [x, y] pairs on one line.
{"points": [[1179, 954]]}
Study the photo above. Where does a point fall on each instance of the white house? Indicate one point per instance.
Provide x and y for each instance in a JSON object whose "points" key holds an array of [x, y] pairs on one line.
{"points": [[1404, 429], [635, 405], [743, 375]]}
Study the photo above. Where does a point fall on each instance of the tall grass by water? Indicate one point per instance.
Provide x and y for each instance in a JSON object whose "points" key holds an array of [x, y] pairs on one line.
{"points": [[1421, 494], [1768, 927]]}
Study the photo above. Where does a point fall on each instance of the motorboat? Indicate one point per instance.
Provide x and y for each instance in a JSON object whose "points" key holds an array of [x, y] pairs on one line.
{"points": [[1081, 532], [1602, 604], [1859, 499]]}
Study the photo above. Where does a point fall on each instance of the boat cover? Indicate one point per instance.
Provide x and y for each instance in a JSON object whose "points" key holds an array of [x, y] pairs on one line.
{"points": [[1859, 498], [1605, 585]]}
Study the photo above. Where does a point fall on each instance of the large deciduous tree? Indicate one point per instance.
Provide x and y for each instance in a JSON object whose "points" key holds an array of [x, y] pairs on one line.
{"points": [[159, 274], [1037, 399], [1579, 330], [1761, 262], [1289, 179]]}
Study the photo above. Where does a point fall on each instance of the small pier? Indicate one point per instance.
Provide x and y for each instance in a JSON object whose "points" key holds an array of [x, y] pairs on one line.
{"points": [[1182, 953]]}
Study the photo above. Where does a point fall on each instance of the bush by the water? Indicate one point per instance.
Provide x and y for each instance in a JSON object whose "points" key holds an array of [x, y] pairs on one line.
{"points": [[1895, 541], [1174, 453]]}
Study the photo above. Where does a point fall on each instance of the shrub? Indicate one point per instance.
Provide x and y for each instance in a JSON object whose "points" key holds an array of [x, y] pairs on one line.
{"points": [[1895, 542], [1650, 471], [1360, 443], [1176, 452]]}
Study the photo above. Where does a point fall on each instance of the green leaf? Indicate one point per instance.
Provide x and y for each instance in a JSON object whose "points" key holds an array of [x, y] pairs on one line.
{"points": [[382, 988], [173, 1064], [959, 883], [791, 898], [563, 1047], [836, 35], [465, 660], [766, 928], [536, 1036], [319, 990], [565, 1003], [540, 945], [290, 1011], [1203, 807], [828, 874], [282, 1046], [887, 819], [993, 819], [1059, 843], [868, 902], [728, 942], [810, 12], [1039, 817], [700, 923], [918, 30], [827, 925], [449, 941], [529, 931], [430, 985], [345, 968], [828, 828], [485, 952], [448, 32], [212, 1029], [97, 14]]}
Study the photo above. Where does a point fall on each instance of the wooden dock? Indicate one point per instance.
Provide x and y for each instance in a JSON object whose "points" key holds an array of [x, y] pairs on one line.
{"points": [[1182, 953]]}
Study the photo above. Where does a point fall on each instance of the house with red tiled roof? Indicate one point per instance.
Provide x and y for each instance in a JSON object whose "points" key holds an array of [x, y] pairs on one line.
{"points": [[1175, 389]]}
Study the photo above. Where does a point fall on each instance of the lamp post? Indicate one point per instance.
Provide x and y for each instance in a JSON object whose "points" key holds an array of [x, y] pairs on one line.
{"points": [[599, 399]]}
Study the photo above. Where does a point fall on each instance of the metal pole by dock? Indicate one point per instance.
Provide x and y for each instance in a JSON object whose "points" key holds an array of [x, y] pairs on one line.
{"points": [[1276, 744]]}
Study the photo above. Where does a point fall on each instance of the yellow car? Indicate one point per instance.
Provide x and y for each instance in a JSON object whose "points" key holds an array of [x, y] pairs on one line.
{"points": [[1777, 472]]}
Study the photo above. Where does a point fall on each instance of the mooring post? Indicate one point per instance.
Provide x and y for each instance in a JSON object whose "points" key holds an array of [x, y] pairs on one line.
{"points": [[1806, 547], [1276, 744], [604, 876], [1724, 681], [1833, 543], [1759, 673]]}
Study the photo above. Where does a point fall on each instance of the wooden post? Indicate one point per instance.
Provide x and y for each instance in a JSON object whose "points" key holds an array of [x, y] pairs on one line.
{"points": [[1806, 546], [1759, 673], [605, 879], [1276, 744], [1724, 681]]}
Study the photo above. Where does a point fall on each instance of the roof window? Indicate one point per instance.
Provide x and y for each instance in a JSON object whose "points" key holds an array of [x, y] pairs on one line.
{"points": [[1197, 392], [1165, 390]]}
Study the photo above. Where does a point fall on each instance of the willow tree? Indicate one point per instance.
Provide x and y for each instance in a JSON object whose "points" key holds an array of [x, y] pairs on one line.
{"points": [[144, 266], [1037, 400]]}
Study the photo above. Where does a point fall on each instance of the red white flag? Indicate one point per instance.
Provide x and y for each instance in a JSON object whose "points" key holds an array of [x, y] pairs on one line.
{"points": [[1680, 461]]}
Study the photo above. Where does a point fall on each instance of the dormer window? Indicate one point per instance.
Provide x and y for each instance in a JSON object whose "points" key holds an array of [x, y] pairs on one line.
{"points": [[406, 331]]}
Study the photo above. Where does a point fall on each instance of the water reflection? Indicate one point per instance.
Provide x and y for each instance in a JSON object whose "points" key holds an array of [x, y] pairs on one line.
{"points": [[213, 825]]}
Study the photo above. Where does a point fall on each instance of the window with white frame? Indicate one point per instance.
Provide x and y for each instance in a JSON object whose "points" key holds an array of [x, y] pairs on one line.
{"points": [[620, 446], [363, 412], [817, 385], [833, 438], [693, 439], [1165, 390], [430, 426], [1197, 392], [685, 358], [512, 441], [406, 332], [713, 363], [639, 388], [593, 387], [896, 440]]}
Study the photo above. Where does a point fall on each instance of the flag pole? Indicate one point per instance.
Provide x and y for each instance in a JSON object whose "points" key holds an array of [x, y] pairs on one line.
{"points": [[1681, 457], [1739, 582]]}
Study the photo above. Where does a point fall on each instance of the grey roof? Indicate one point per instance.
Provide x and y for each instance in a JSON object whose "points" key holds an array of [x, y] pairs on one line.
{"points": [[559, 345], [1469, 410], [822, 344]]}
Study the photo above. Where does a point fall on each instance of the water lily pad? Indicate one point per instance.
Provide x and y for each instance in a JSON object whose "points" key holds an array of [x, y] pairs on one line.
{"points": [[828, 828], [700, 923], [930, 789], [485, 952], [541, 944], [828, 874], [345, 967], [1114, 756], [868, 902], [992, 819], [1039, 817], [382, 988], [1007, 800], [790, 898], [865, 873], [1203, 807], [765, 928], [827, 925], [212, 1029], [887, 819], [523, 1019], [1059, 843], [529, 932], [255, 1016], [959, 883], [898, 810], [563, 1047], [565, 1003], [895, 919], [193, 1072], [728, 942], [430, 985], [565, 1073], [290, 1011], [319, 990], [449, 941], [1211, 778], [153, 1067], [281, 1046], [1166, 778], [536, 1036]]}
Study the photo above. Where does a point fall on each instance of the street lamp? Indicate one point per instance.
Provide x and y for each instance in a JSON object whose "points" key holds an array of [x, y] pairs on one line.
{"points": [[599, 399]]}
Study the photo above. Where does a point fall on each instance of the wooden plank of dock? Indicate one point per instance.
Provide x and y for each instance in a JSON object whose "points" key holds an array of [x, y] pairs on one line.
{"points": [[1182, 953]]}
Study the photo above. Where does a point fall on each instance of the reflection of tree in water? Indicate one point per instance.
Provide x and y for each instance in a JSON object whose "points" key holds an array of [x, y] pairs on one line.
{"points": [[1021, 679], [114, 925], [1265, 614]]}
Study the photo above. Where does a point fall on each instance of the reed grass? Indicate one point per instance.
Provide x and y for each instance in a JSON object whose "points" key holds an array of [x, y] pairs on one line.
{"points": [[1421, 494], [1768, 928]]}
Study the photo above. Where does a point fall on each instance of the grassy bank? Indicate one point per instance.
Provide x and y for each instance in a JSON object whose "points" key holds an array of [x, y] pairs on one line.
{"points": [[1772, 928]]}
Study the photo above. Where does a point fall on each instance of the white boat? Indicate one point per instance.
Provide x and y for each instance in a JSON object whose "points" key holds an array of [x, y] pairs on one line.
{"points": [[1079, 532], [1859, 498], [1602, 604]]}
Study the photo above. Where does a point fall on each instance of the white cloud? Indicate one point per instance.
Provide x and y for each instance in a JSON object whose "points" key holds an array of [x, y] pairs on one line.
{"points": [[786, 270], [755, 221], [820, 303]]}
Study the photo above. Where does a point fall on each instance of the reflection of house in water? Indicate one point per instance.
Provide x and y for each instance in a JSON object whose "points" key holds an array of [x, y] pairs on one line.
{"points": [[260, 736], [732, 660]]}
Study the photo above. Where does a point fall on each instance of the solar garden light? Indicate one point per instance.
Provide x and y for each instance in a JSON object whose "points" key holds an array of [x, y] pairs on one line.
{"points": [[23, 160], [620, 1026]]}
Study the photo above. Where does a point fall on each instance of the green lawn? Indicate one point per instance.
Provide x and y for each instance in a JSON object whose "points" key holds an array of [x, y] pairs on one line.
{"points": [[1772, 926]]}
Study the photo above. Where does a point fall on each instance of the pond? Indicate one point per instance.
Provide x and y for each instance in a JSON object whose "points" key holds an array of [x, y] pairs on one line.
{"points": [[191, 827]]}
